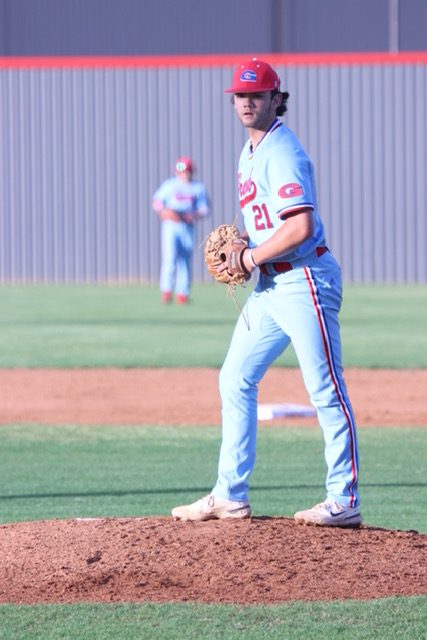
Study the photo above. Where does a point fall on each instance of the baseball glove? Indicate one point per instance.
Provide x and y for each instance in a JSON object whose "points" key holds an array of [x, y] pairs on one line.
{"points": [[225, 245]]}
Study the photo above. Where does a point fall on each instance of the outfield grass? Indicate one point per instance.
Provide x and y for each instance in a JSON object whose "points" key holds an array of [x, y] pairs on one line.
{"points": [[127, 326]]}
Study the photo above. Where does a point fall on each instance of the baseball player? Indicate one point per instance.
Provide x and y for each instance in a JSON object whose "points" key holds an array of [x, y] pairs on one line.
{"points": [[297, 298], [179, 201]]}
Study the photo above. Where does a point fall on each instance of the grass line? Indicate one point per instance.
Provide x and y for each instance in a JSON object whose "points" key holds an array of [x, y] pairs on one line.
{"points": [[390, 618], [72, 471]]}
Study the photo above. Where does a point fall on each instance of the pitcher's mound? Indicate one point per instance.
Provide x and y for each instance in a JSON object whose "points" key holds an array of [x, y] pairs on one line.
{"points": [[262, 560]]}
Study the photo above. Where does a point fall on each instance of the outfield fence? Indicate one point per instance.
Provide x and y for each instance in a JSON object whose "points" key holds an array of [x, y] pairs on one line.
{"points": [[85, 142]]}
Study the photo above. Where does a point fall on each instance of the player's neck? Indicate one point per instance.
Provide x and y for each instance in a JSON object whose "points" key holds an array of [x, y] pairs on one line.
{"points": [[257, 135]]}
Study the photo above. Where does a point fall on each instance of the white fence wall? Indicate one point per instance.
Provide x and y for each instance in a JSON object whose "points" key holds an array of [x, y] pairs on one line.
{"points": [[84, 146]]}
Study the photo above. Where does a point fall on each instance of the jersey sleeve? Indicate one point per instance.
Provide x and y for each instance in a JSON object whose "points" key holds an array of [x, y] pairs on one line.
{"points": [[161, 196], [202, 201], [291, 184]]}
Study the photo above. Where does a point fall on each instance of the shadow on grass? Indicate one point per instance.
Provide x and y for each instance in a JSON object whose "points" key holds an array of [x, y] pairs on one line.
{"points": [[204, 490]]}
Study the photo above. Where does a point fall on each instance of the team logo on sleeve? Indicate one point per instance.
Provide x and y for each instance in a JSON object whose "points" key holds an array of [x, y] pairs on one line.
{"points": [[291, 190]]}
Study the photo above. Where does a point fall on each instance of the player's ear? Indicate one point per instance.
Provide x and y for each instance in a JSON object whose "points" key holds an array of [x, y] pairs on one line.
{"points": [[277, 98]]}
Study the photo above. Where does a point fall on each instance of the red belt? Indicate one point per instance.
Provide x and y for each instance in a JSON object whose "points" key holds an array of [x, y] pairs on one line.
{"points": [[282, 267]]}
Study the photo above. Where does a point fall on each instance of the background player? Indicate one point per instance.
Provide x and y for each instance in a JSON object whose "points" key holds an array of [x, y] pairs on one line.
{"points": [[179, 201], [297, 298]]}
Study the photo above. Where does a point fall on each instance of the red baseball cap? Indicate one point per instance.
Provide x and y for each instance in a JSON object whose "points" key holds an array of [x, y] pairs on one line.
{"points": [[254, 76], [184, 163]]}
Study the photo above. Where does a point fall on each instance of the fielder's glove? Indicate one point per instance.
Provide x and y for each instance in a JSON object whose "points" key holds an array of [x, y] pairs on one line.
{"points": [[225, 247]]}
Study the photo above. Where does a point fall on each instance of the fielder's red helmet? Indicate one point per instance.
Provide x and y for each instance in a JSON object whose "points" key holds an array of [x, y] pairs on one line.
{"points": [[184, 163], [254, 76]]}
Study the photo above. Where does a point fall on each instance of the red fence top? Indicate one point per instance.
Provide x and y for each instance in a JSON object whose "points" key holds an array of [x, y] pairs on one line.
{"points": [[211, 60]]}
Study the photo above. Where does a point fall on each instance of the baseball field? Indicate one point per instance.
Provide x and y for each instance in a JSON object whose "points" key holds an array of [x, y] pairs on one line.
{"points": [[110, 416]]}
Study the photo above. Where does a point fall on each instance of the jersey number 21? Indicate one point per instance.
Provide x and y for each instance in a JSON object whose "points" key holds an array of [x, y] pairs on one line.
{"points": [[262, 218]]}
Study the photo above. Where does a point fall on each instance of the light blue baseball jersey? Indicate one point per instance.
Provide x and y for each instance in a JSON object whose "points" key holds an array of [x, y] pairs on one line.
{"points": [[274, 180], [183, 197]]}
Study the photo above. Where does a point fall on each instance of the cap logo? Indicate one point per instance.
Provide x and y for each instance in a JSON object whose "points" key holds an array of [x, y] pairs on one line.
{"points": [[182, 166], [248, 76]]}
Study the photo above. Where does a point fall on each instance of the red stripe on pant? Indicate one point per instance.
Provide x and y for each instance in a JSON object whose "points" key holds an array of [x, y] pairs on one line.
{"points": [[332, 373]]}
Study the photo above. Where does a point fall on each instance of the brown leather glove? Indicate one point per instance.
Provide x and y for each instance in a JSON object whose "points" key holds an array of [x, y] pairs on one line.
{"points": [[224, 249]]}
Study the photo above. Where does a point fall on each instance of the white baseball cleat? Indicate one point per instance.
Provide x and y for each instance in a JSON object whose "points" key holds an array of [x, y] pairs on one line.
{"points": [[330, 514], [211, 507]]}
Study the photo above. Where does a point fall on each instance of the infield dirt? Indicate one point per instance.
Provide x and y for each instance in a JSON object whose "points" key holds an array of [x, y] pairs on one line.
{"points": [[261, 560], [190, 396]]}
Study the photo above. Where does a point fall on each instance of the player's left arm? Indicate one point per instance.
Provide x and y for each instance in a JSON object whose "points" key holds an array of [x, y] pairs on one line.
{"points": [[203, 202], [296, 229]]}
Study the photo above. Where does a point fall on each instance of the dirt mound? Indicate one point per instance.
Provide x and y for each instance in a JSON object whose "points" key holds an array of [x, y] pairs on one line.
{"points": [[262, 560]]}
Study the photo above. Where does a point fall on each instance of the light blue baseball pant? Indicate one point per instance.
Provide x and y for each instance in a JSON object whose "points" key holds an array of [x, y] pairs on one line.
{"points": [[301, 306], [177, 252]]}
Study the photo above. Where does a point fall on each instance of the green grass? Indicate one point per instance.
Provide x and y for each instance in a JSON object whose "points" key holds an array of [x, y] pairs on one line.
{"points": [[70, 471], [126, 326], [386, 619], [384, 326]]}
